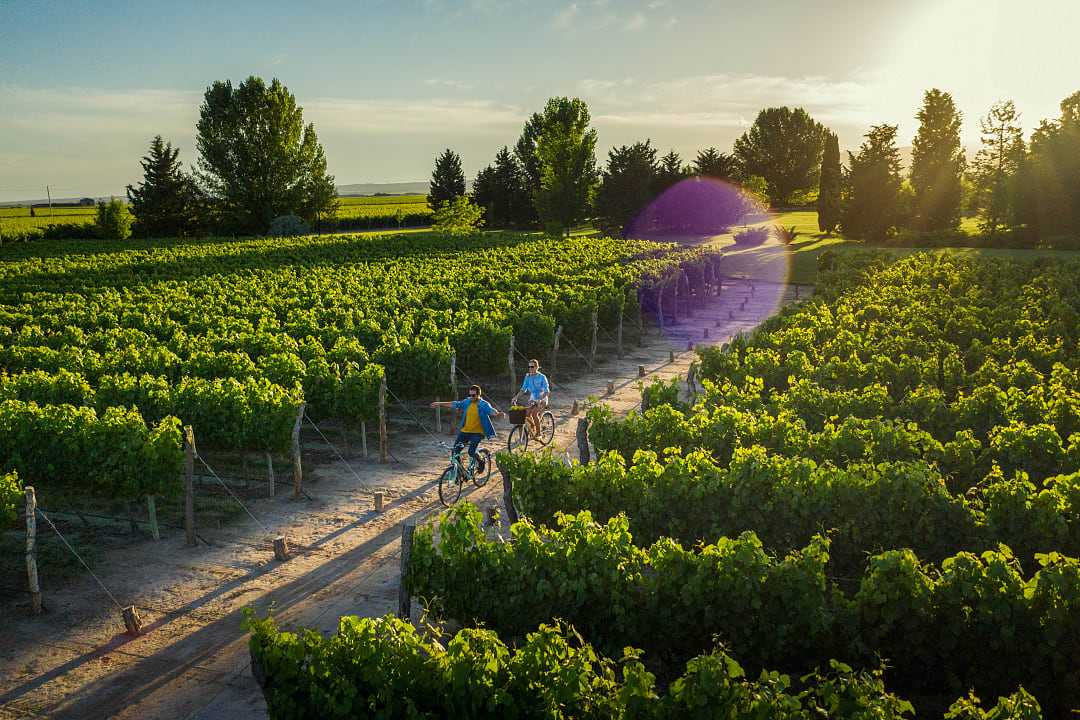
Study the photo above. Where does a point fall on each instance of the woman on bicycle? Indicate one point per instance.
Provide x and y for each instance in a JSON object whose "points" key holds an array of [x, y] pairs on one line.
{"points": [[475, 422], [536, 385]]}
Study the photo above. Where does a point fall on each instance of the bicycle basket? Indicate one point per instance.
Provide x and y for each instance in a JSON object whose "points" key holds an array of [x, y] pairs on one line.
{"points": [[517, 415]]}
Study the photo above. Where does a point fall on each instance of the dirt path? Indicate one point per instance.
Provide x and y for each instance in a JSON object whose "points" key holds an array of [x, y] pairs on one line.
{"points": [[192, 661]]}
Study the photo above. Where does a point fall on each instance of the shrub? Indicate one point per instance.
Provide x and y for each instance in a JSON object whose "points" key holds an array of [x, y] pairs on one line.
{"points": [[458, 216], [113, 221], [10, 499], [752, 236], [288, 226]]}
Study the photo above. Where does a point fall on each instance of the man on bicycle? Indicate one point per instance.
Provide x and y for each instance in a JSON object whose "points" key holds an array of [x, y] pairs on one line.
{"points": [[475, 422], [536, 385]]}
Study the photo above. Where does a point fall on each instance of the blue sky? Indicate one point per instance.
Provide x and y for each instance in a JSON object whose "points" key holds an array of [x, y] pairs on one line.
{"points": [[84, 86]]}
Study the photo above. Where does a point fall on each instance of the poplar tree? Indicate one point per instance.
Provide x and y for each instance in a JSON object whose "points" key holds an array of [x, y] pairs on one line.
{"points": [[829, 189], [937, 163]]}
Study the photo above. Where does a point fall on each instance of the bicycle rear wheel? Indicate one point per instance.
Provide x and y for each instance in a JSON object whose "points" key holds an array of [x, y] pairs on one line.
{"points": [[483, 473], [449, 486], [518, 439], [547, 428]]}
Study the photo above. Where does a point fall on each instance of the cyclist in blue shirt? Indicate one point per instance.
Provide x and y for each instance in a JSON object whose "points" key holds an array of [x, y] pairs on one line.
{"points": [[476, 414], [535, 384]]}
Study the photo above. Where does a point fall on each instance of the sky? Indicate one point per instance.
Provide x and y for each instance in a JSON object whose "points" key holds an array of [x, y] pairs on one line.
{"points": [[84, 86]]}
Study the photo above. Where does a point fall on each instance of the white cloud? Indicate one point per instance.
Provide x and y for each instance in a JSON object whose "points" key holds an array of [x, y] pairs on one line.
{"points": [[456, 84], [636, 22], [565, 17], [411, 116]]}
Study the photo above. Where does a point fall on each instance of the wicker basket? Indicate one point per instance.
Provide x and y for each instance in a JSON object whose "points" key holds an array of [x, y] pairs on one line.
{"points": [[517, 415]]}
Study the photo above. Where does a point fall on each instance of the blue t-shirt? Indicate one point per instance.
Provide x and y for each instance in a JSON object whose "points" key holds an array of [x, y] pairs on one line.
{"points": [[536, 385]]}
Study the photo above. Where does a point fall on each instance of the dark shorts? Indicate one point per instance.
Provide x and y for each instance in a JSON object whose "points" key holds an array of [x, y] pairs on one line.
{"points": [[473, 440]]}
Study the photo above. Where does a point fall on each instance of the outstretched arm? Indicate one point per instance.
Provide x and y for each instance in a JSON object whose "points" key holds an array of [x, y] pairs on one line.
{"points": [[444, 404]]}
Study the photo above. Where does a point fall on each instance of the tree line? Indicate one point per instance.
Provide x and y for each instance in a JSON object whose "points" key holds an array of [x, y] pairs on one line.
{"points": [[261, 169]]}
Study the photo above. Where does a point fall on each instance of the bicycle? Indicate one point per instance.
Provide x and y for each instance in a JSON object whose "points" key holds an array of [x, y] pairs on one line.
{"points": [[457, 474], [520, 434]]}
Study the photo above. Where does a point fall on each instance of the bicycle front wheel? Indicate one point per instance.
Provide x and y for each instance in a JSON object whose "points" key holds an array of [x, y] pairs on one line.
{"points": [[547, 428], [483, 472], [449, 486], [518, 439]]}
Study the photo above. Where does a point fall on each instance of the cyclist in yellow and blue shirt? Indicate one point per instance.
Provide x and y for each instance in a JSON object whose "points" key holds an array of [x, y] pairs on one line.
{"points": [[475, 422]]}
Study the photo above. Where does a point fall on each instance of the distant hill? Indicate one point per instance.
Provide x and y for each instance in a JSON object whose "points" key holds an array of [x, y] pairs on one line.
{"points": [[401, 188]]}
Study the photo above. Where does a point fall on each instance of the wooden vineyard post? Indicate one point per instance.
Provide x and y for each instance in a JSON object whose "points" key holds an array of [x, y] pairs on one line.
{"points": [[438, 420], [592, 347], [151, 513], [132, 623], [660, 308], [31, 550], [555, 352], [583, 440], [453, 393], [363, 438], [297, 468], [378, 501], [688, 301], [382, 422], [270, 472], [408, 530], [675, 301], [510, 366], [189, 486], [641, 318], [508, 496], [618, 332]]}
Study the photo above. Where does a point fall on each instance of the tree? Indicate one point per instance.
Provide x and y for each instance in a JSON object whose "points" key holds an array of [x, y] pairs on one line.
{"points": [[670, 171], [447, 179], [458, 216], [996, 165], [500, 189], [525, 152], [626, 186], [167, 202], [1048, 181], [937, 163], [828, 203], [257, 159], [112, 221], [566, 150], [784, 147], [710, 162], [874, 186]]}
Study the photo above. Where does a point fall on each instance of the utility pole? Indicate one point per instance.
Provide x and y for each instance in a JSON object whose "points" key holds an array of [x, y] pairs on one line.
{"points": [[48, 192]]}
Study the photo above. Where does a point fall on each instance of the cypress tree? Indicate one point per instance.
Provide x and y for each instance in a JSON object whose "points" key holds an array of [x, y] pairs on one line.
{"points": [[874, 186], [828, 203], [447, 179], [710, 162], [626, 186], [937, 163], [166, 203]]}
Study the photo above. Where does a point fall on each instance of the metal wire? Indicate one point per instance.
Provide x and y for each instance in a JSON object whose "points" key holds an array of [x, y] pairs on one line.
{"points": [[233, 494], [410, 414], [332, 447], [79, 558]]}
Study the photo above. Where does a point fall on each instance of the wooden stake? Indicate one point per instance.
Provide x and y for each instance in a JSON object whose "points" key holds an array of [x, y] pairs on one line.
{"points": [[641, 371], [510, 366], [297, 468], [438, 420], [131, 620], [671, 356], [31, 550], [453, 392], [270, 473], [555, 352], [618, 331], [382, 422], [363, 438], [687, 302], [508, 496], [660, 308], [574, 408], [689, 345], [592, 348], [281, 548], [583, 440], [408, 530], [610, 388], [189, 486], [151, 512], [378, 501]]}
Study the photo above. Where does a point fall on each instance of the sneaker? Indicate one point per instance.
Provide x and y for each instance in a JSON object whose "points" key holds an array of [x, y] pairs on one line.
{"points": [[480, 466]]}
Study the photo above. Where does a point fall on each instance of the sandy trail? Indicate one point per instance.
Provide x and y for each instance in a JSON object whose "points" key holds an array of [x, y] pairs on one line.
{"points": [[192, 660]]}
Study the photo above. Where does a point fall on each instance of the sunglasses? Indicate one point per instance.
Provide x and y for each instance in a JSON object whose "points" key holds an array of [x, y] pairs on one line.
{"points": [[473, 395], [533, 367]]}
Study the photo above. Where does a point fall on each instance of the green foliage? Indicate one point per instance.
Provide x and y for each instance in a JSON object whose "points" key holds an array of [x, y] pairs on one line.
{"points": [[566, 159], [112, 221], [935, 624], [937, 163], [872, 208], [829, 190], [1045, 187], [167, 203], [288, 226], [458, 216], [11, 499], [501, 191], [996, 166], [258, 159], [626, 186], [752, 236], [383, 667], [670, 171], [447, 180], [783, 146], [712, 163], [114, 454]]}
